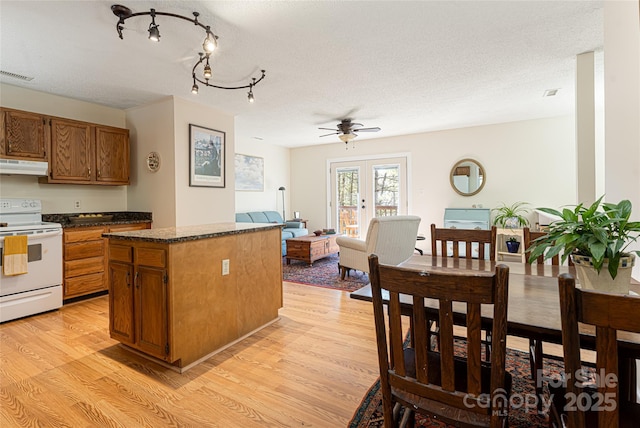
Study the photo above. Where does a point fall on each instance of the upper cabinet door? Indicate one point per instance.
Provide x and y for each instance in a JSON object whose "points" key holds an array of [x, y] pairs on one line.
{"points": [[23, 135], [71, 151], [112, 155]]}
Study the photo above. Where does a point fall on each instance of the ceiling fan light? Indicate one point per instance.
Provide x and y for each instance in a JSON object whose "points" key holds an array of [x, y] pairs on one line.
{"points": [[345, 138], [194, 89], [207, 71], [251, 98]]}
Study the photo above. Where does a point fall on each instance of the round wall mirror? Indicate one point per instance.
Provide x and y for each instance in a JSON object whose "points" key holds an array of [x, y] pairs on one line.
{"points": [[467, 177]]}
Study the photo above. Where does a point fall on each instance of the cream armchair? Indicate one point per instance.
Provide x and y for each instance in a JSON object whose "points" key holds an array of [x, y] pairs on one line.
{"points": [[391, 238]]}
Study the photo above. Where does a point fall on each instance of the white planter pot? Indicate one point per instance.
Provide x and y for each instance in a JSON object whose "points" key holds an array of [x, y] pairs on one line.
{"points": [[589, 279]]}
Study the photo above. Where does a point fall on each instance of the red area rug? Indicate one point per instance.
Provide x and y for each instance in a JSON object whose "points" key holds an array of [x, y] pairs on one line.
{"points": [[323, 273]]}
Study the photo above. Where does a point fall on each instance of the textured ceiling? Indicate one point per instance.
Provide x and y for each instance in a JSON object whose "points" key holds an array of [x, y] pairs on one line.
{"points": [[406, 67]]}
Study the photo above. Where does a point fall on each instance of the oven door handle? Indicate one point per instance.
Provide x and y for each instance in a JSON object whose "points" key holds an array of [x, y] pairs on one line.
{"points": [[35, 236]]}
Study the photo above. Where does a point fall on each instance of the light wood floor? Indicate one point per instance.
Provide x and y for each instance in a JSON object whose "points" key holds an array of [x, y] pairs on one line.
{"points": [[309, 369]]}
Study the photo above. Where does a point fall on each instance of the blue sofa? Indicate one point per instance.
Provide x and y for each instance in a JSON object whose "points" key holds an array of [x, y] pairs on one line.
{"points": [[291, 229]]}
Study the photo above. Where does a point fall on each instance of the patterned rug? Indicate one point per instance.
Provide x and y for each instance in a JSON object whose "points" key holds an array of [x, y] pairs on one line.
{"points": [[323, 273], [521, 415]]}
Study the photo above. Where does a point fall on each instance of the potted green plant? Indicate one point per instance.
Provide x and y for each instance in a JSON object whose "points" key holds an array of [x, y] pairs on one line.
{"points": [[512, 244], [596, 238], [511, 216]]}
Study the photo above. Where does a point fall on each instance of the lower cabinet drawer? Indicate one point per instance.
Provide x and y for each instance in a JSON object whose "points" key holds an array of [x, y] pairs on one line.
{"points": [[82, 250], [84, 284], [154, 257], [121, 253], [83, 266]]}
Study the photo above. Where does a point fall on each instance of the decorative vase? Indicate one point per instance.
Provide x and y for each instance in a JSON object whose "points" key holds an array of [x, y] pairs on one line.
{"points": [[511, 222], [589, 279], [513, 246]]}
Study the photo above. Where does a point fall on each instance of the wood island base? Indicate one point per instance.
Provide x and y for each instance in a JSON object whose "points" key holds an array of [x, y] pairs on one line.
{"points": [[171, 300], [195, 363]]}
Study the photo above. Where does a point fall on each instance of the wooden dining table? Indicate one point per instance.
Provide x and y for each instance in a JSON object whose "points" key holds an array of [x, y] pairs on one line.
{"points": [[534, 302]]}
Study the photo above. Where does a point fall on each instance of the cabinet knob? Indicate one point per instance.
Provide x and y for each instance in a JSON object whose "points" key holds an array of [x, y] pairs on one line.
{"points": [[89, 172], [128, 279], [135, 280]]}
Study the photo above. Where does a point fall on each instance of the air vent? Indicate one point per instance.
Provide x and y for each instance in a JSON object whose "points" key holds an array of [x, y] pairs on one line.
{"points": [[16, 76], [550, 92]]}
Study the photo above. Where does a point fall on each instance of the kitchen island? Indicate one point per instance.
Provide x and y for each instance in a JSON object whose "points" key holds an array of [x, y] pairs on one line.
{"points": [[179, 295]]}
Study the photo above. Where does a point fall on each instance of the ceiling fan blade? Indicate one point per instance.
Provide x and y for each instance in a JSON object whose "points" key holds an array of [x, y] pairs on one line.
{"points": [[329, 129], [333, 133], [376, 129]]}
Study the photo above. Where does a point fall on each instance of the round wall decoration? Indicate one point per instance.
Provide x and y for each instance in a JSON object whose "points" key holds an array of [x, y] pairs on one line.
{"points": [[153, 161]]}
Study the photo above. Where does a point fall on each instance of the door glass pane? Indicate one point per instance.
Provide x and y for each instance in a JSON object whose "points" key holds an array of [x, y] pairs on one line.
{"points": [[348, 195], [387, 193]]}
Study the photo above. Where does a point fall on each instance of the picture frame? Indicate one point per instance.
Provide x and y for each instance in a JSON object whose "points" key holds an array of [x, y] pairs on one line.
{"points": [[249, 173], [206, 157]]}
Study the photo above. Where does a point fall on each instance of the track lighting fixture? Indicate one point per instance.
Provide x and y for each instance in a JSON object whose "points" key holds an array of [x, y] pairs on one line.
{"points": [[154, 32], [210, 42], [209, 45], [251, 99], [207, 70]]}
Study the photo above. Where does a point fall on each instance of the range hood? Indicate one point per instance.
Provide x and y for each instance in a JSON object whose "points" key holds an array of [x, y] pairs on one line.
{"points": [[23, 167]]}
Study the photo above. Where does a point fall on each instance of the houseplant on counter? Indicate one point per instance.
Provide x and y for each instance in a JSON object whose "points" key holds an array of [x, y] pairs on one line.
{"points": [[596, 238], [511, 216]]}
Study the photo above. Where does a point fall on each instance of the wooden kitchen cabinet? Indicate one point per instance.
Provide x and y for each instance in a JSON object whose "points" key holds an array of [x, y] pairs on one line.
{"points": [[85, 258], [112, 155], [71, 151], [84, 153], [138, 298], [84, 261], [22, 135]]}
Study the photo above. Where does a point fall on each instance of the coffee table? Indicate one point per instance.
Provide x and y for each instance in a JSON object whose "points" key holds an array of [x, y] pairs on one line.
{"points": [[311, 247]]}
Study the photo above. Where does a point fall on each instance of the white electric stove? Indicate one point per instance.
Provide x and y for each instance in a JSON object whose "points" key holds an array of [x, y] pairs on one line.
{"points": [[40, 288]]}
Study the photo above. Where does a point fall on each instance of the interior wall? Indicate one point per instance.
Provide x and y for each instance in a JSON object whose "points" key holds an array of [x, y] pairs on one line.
{"points": [[202, 205], [276, 174], [151, 130], [531, 161], [60, 198], [622, 106]]}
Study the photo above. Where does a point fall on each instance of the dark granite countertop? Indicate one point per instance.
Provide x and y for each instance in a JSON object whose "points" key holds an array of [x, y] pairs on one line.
{"points": [[170, 235], [119, 217]]}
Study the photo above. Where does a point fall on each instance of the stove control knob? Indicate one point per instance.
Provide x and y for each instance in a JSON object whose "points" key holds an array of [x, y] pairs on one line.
{"points": [[25, 204], [33, 204]]}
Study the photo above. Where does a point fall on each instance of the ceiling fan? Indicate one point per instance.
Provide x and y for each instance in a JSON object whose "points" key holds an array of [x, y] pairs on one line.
{"points": [[347, 130]]}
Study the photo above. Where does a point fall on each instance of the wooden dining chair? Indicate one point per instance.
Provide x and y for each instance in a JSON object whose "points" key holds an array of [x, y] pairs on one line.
{"points": [[536, 352], [604, 401], [442, 237], [456, 387]]}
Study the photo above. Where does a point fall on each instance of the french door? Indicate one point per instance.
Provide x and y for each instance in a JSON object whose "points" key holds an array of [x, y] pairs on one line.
{"points": [[364, 189]]}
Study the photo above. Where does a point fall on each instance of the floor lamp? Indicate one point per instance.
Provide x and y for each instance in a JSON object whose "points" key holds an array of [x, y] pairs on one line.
{"points": [[282, 189]]}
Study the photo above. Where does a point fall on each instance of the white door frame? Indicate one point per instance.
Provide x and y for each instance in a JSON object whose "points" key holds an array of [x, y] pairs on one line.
{"points": [[406, 155]]}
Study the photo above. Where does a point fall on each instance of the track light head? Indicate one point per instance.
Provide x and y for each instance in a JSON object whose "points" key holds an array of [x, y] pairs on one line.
{"points": [[154, 32], [210, 42]]}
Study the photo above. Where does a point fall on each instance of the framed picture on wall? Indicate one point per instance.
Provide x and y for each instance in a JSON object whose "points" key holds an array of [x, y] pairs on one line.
{"points": [[249, 173], [206, 157]]}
